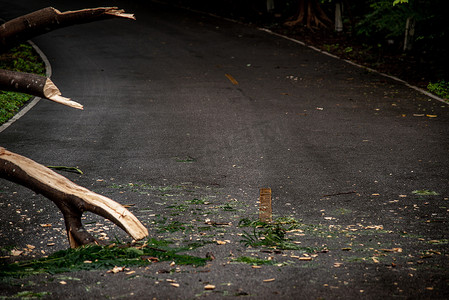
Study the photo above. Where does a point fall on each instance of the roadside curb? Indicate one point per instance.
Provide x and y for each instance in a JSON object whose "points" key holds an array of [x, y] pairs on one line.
{"points": [[422, 91], [355, 64], [34, 100]]}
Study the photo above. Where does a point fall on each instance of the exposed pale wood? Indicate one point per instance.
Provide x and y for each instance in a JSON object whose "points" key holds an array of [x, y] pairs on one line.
{"points": [[70, 198], [34, 85], [265, 210], [51, 92], [44, 20]]}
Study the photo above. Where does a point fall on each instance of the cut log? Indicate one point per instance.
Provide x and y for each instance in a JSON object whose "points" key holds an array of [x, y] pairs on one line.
{"points": [[36, 23], [72, 199], [34, 85]]}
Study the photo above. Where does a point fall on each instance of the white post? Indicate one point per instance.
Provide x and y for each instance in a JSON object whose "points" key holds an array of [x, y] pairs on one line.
{"points": [[409, 33], [338, 17], [270, 5]]}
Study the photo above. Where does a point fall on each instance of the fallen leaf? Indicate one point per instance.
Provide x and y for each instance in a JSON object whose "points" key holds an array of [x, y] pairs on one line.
{"points": [[45, 225], [87, 261], [269, 280], [50, 244], [231, 79], [337, 265], [431, 116], [256, 267], [399, 250], [116, 269], [305, 258], [375, 260], [15, 252], [221, 242], [376, 227], [63, 282], [130, 272], [176, 285], [209, 287]]}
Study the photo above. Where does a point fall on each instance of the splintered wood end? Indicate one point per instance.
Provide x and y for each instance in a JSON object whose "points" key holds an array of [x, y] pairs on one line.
{"points": [[119, 13], [111, 11], [51, 92]]}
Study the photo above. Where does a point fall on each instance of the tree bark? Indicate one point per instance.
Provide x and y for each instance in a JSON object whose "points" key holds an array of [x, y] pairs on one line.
{"points": [[47, 19], [310, 12], [70, 198], [34, 85]]}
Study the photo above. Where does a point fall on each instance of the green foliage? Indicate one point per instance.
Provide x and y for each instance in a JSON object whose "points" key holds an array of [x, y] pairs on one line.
{"points": [[396, 2], [10, 103], [383, 21], [425, 193], [103, 257], [23, 59], [440, 88], [272, 235]]}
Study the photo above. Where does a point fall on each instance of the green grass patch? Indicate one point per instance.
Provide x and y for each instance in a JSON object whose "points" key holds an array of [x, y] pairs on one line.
{"points": [[22, 58], [440, 88], [94, 257]]}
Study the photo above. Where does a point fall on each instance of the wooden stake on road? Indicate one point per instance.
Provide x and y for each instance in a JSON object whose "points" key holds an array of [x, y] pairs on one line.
{"points": [[265, 211]]}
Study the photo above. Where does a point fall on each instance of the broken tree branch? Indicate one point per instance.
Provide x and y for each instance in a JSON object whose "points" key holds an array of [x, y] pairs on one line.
{"points": [[47, 19], [34, 85], [70, 198]]}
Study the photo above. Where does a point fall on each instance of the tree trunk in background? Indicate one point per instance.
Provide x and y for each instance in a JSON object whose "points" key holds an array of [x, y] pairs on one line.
{"points": [[47, 19], [311, 14]]}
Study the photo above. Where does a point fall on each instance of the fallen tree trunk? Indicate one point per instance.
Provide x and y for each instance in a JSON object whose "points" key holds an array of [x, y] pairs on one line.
{"points": [[34, 85], [70, 198], [36, 23]]}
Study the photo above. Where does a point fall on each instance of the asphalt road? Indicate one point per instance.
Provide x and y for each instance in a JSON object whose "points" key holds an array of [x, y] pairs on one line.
{"points": [[203, 108]]}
